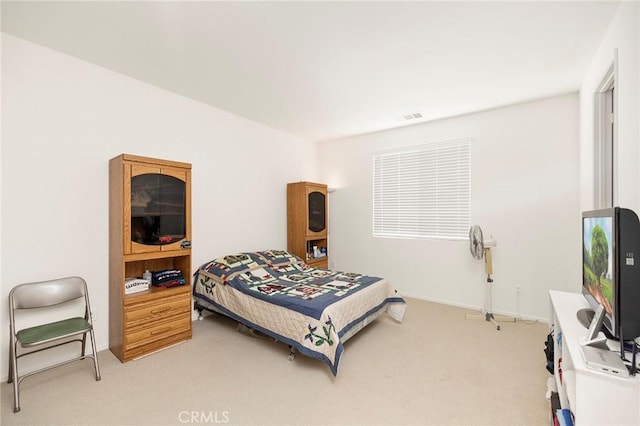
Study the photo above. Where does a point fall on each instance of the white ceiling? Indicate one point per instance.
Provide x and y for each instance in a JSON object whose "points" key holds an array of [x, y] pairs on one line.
{"points": [[323, 70]]}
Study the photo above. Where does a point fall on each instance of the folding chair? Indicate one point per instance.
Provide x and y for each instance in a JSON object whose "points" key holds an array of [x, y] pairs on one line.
{"points": [[41, 296]]}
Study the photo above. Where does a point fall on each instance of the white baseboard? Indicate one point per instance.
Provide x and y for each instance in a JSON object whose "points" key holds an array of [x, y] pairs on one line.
{"points": [[477, 308]]}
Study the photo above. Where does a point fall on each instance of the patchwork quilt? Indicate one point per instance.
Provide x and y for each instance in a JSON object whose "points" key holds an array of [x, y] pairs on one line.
{"points": [[278, 294]]}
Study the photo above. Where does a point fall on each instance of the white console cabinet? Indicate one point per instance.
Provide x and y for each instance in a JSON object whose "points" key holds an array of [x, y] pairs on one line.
{"points": [[593, 397]]}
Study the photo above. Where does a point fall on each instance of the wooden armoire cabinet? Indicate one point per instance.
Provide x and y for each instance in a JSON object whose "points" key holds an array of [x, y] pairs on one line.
{"points": [[149, 230], [308, 222]]}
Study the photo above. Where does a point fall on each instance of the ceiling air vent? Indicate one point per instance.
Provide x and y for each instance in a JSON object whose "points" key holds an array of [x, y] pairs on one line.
{"points": [[409, 117]]}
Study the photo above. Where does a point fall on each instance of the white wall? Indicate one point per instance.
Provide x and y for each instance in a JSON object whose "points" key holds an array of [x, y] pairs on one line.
{"points": [[63, 119], [623, 35], [524, 187]]}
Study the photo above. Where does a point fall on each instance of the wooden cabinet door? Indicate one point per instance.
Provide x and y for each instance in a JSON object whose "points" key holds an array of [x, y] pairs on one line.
{"points": [[185, 177], [315, 203]]}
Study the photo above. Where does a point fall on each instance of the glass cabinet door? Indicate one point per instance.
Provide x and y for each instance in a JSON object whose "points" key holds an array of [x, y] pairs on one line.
{"points": [[317, 211], [158, 210]]}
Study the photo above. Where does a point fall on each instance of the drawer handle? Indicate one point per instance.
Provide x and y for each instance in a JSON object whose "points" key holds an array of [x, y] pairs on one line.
{"points": [[154, 332], [159, 311]]}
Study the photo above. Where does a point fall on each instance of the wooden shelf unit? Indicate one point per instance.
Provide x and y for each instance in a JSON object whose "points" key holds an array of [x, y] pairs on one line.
{"points": [[308, 221], [144, 322]]}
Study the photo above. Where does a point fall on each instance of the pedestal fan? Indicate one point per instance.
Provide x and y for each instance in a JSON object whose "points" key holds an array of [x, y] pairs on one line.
{"points": [[481, 249]]}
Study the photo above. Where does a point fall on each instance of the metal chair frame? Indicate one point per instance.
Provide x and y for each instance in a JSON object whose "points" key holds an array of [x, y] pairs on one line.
{"points": [[45, 294]]}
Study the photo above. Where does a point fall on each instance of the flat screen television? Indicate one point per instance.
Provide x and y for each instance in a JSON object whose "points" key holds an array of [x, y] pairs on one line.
{"points": [[611, 269]]}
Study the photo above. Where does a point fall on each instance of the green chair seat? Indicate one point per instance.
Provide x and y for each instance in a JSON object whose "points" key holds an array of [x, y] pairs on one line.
{"points": [[52, 331]]}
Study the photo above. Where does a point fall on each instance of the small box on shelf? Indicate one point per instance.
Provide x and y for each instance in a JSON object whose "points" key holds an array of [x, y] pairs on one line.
{"points": [[167, 278]]}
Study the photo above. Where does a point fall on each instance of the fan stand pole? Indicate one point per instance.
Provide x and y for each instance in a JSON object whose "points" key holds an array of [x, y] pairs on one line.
{"points": [[488, 314]]}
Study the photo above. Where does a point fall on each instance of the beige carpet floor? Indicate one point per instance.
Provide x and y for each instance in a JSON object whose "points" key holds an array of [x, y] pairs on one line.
{"points": [[434, 368]]}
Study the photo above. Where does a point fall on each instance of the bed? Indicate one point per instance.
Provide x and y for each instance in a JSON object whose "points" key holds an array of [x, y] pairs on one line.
{"points": [[276, 293]]}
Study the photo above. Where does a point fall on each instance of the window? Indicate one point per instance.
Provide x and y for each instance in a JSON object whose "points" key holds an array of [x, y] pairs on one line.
{"points": [[423, 192]]}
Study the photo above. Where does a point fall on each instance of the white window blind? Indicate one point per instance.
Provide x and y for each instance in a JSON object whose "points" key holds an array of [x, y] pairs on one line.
{"points": [[423, 192]]}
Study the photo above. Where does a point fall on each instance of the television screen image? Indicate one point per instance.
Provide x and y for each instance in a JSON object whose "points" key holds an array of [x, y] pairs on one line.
{"points": [[597, 260]]}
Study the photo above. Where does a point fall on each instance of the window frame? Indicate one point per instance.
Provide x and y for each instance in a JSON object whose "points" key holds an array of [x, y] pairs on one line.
{"points": [[605, 140]]}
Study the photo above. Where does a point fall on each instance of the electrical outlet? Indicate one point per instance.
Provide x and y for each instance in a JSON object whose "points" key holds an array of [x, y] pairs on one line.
{"points": [[518, 290]]}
